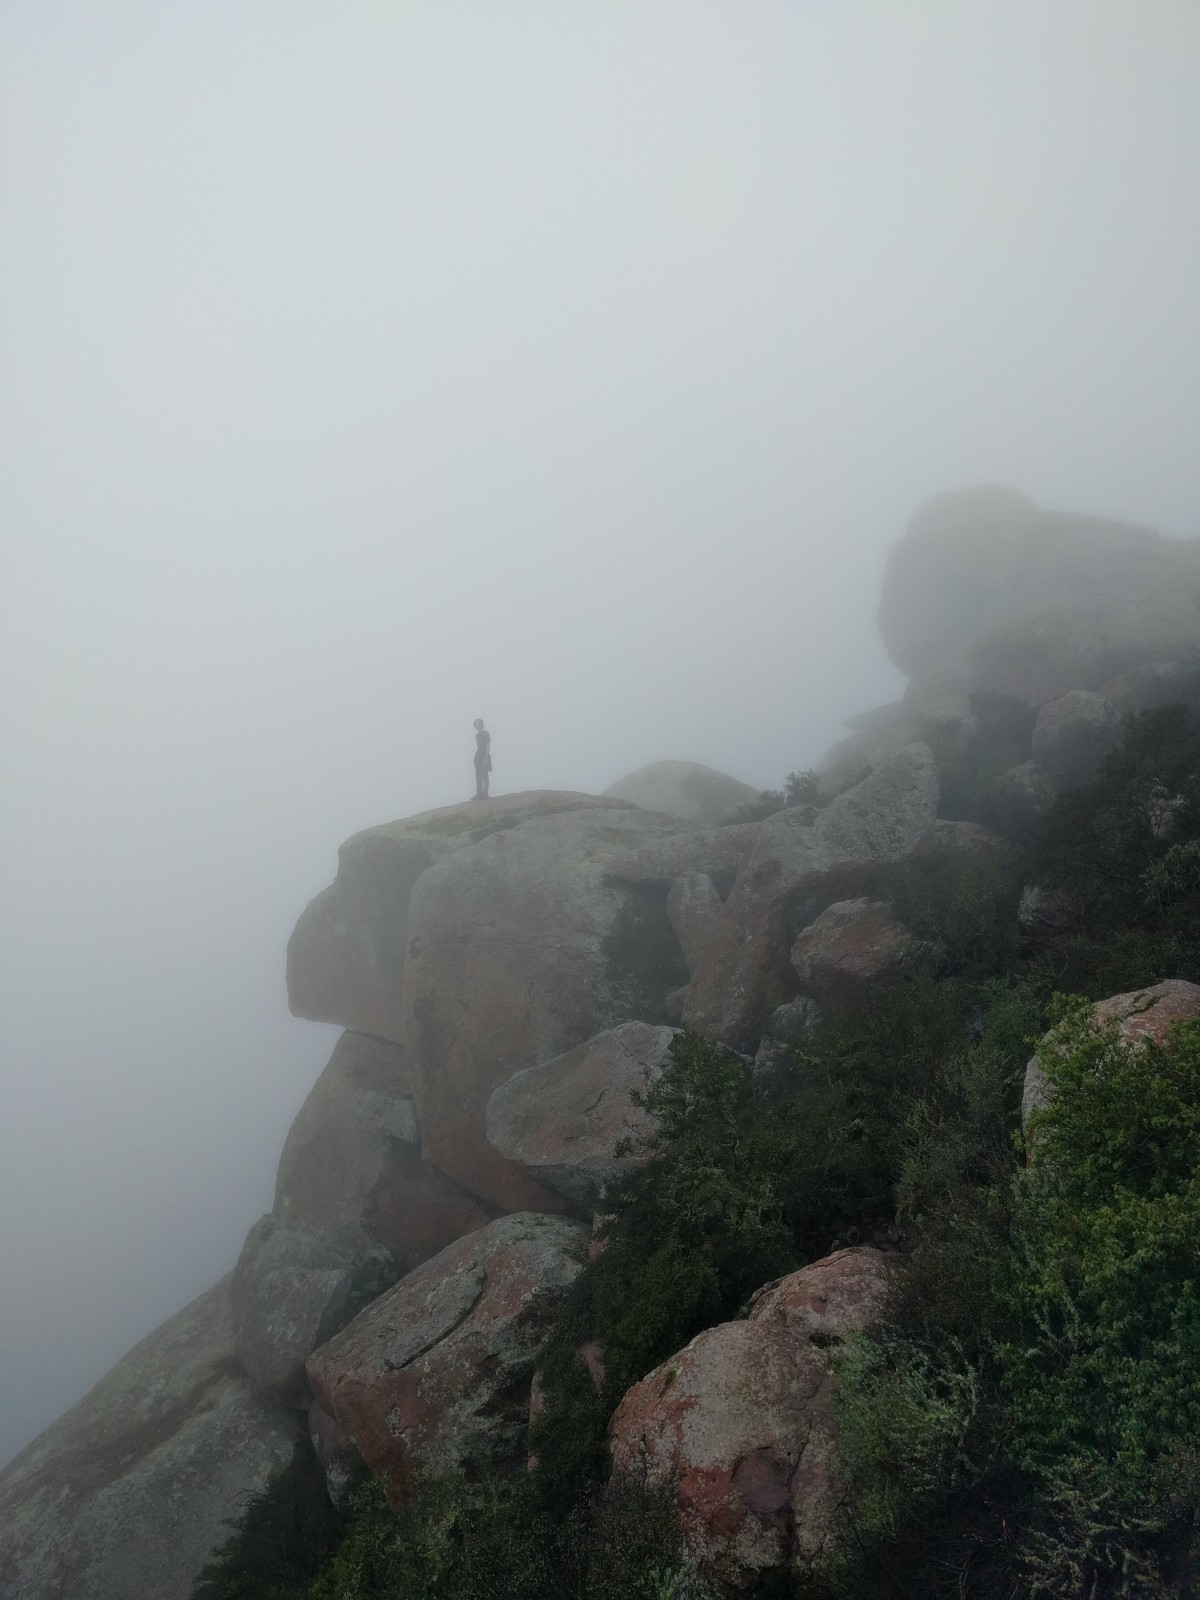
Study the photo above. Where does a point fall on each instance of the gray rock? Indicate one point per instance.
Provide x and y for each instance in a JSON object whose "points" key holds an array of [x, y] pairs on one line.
{"points": [[563, 1119], [345, 960], [1043, 916], [1074, 733], [126, 1496], [291, 1292], [438, 1370], [1022, 795], [523, 946], [850, 760], [352, 1162], [693, 906], [683, 789], [358, 1120], [792, 1021], [988, 591], [803, 860]]}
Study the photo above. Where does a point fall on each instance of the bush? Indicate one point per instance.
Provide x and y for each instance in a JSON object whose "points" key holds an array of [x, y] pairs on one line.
{"points": [[1103, 1377], [494, 1540], [278, 1541]]}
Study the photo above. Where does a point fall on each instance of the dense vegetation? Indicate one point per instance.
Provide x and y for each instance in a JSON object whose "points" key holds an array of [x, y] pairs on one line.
{"points": [[1027, 1422]]}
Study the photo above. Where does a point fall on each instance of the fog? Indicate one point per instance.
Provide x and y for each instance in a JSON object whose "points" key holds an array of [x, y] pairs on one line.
{"points": [[369, 368]]}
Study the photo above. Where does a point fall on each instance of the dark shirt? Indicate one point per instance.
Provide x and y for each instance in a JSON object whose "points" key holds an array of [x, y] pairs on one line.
{"points": [[483, 748]]}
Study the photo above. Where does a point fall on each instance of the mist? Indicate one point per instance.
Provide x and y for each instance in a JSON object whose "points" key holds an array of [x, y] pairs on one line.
{"points": [[367, 369]]}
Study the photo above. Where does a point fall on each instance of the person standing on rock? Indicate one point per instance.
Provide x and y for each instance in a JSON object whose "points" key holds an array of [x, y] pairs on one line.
{"points": [[483, 759]]}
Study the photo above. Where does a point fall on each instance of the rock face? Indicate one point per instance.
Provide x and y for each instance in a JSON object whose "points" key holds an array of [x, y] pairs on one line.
{"points": [[740, 1422], [563, 1119], [125, 1498], [851, 941], [693, 906], [345, 960], [1074, 733], [352, 1161], [437, 1371], [290, 1292], [525, 945], [992, 593], [803, 860], [683, 789], [1139, 1015]]}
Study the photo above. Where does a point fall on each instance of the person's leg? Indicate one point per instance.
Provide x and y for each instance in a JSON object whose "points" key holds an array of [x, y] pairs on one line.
{"points": [[480, 782], [487, 778]]}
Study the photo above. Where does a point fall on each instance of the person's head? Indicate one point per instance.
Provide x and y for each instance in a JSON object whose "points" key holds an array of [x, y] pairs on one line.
{"points": [[478, 722]]}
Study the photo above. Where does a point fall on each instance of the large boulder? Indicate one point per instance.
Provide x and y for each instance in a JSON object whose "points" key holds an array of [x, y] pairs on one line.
{"points": [[693, 906], [803, 860], [526, 944], [683, 789], [128, 1495], [290, 1292], [345, 959], [986, 591], [850, 942], [564, 1119], [740, 1423], [352, 1160], [437, 1372], [1139, 1015]]}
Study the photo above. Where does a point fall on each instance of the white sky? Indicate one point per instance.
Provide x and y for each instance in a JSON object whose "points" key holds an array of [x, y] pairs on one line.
{"points": [[366, 368]]}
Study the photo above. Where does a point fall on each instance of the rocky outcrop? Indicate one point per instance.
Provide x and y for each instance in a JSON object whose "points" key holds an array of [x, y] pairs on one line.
{"points": [[290, 1292], [986, 591], [345, 959], [683, 789], [352, 1162], [564, 1119], [802, 861], [850, 942], [1139, 1015], [1073, 734], [693, 906], [437, 1371], [525, 945], [127, 1496], [740, 1423]]}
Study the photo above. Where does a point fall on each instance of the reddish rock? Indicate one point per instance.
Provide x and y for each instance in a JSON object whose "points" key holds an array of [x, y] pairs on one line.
{"points": [[851, 941], [522, 947], [437, 1371], [564, 1119], [741, 1420], [1139, 1015], [803, 860], [415, 1210]]}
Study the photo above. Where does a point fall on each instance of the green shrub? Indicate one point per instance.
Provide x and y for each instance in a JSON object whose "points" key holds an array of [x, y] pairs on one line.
{"points": [[1103, 1377], [278, 1541], [494, 1540]]}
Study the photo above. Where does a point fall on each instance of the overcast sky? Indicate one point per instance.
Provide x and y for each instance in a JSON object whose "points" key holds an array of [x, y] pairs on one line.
{"points": [[369, 367]]}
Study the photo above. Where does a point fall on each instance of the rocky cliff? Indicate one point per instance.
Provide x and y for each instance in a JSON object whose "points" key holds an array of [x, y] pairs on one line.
{"points": [[510, 978]]}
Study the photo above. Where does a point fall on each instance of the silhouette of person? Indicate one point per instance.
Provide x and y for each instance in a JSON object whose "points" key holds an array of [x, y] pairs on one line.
{"points": [[483, 759]]}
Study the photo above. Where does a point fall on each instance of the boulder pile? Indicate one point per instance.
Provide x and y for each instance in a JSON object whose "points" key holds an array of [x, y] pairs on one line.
{"points": [[510, 978]]}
